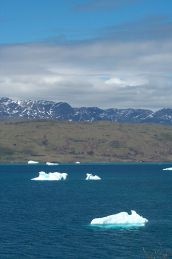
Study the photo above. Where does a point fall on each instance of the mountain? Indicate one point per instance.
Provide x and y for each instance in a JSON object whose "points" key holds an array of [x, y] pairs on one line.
{"points": [[43, 110]]}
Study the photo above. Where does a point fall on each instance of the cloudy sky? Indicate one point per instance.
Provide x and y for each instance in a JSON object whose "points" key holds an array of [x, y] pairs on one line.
{"points": [[106, 53]]}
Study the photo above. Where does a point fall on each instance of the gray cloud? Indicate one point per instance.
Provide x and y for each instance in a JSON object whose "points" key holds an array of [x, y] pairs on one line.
{"points": [[94, 5], [153, 27], [110, 71]]}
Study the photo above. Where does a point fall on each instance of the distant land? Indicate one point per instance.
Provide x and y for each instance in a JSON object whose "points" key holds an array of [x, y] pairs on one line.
{"points": [[99, 141], [48, 110]]}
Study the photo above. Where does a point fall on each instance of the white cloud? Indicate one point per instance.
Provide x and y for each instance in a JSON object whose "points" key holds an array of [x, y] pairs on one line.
{"points": [[127, 82], [50, 80], [98, 73]]}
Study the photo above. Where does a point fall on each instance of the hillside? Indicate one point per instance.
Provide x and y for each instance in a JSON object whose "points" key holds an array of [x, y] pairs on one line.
{"points": [[84, 141]]}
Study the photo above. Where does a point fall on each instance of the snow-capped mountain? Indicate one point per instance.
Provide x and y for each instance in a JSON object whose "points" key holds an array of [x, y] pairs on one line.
{"points": [[35, 110]]}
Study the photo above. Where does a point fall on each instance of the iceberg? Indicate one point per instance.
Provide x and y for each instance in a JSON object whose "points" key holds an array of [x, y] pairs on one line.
{"points": [[92, 177], [167, 169], [121, 219], [32, 162], [50, 163], [77, 162], [56, 176]]}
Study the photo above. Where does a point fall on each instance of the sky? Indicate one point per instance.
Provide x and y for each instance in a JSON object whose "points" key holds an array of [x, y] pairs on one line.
{"points": [[105, 53]]}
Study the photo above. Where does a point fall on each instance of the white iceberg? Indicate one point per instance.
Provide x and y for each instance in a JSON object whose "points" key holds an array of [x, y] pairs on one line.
{"points": [[77, 162], [121, 219], [92, 177], [32, 162], [50, 163], [167, 169], [56, 176]]}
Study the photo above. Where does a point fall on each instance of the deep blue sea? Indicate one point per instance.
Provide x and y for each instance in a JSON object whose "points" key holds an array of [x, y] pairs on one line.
{"points": [[41, 219]]}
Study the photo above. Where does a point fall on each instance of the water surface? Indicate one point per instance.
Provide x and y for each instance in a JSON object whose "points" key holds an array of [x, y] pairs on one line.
{"points": [[51, 219]]}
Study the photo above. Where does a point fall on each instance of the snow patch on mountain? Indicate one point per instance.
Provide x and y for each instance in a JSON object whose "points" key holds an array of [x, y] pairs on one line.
{"points": [[49, 110]]}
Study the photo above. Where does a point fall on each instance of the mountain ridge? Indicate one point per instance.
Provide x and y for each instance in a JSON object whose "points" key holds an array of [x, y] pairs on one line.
{"points": [[48, 110]]}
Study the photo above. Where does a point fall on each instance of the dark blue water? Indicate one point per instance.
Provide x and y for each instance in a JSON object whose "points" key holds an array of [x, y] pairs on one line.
{"points": [[51, 219]]}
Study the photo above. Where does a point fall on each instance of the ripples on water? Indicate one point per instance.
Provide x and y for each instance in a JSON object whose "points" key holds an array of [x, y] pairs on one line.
{"points": [[51, 219]]}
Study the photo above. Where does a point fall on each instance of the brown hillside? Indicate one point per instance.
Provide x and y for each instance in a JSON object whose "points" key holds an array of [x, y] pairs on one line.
{"points": [[87, 142]]}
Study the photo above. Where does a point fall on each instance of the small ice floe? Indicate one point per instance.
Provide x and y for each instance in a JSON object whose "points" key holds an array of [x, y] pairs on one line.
{"points": [[50, 163], [56, 176], [92, 177], [167, 169], [77, 162], [122, 219], [32, 162]]}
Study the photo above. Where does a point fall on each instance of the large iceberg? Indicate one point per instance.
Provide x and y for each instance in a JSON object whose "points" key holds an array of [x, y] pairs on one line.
{"points": [[121, 219], [56, 176], [50, 163], [92, 177], [32, 162], [167, 169]]}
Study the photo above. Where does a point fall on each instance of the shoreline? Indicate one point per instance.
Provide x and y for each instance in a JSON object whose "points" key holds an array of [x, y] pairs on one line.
{"points": [[86, 163]]}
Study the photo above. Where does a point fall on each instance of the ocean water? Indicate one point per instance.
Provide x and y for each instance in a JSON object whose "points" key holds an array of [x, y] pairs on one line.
{"points": [[51, 219]]}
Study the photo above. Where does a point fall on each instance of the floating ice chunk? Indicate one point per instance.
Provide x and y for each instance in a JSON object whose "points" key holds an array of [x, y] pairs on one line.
{"points": [[92, 177], [50, 163], [167, 169], [32, 162], [77, 162], [122, 218], [56, 176]]}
